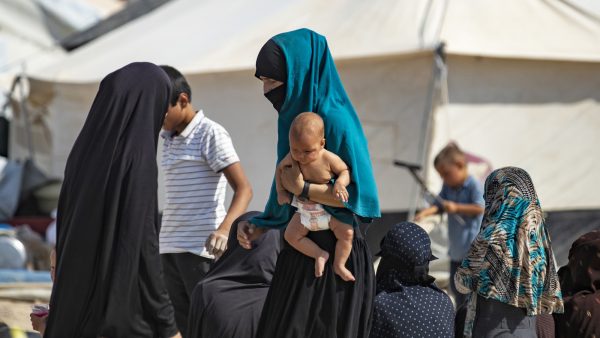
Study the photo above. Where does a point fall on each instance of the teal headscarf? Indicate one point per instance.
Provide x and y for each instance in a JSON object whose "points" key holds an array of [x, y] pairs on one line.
{"points": [[313, 85]]}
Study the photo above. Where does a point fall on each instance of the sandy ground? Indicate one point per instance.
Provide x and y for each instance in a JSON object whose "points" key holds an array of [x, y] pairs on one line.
{"points": [[16, 313]]}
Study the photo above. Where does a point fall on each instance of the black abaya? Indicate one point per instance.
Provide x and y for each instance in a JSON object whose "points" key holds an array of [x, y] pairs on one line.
{"points": [[302, 305], [227, 303], [108, 274]]}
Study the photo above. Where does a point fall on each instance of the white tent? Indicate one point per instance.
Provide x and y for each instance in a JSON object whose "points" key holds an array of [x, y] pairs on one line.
{"points": [[524, 80], [522, 83], [30, 30], [216, 47]]}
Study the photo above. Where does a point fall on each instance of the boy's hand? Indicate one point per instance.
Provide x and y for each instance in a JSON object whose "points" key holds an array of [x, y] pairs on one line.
{"points": [[450, 207], [419, 216], [284, 197], [216, 243], [340, 192]]}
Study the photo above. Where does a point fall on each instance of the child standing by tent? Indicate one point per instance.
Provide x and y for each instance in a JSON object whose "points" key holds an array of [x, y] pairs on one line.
{"points": [[462, 196]]}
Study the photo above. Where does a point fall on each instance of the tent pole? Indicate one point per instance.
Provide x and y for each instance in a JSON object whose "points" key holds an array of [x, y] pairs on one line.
{"points": [[19, 82], [438, 67]]}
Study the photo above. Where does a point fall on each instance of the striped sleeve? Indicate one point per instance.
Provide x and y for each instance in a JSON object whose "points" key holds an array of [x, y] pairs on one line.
{"points": [[218, 149]]}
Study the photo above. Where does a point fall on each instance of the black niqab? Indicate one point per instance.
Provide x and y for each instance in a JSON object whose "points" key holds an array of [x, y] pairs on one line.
{"points": [[271, 63], [108, 274]]}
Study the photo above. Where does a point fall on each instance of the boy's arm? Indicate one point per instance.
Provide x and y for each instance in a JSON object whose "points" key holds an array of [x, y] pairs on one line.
{"points": [[426, 212], [468, 209], [242, 194]]}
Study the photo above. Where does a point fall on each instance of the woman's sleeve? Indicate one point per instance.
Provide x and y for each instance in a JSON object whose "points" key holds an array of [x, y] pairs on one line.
{"points": [[275, 215]]}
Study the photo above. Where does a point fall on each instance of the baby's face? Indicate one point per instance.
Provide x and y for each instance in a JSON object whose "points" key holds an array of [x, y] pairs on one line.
{"points": [[305, 149]]}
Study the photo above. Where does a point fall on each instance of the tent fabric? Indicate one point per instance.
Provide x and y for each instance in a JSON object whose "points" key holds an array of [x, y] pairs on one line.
{"points": [[24, 36], [531, 61], [118, 19], [228, 37], [524, 29], [541, 116]]}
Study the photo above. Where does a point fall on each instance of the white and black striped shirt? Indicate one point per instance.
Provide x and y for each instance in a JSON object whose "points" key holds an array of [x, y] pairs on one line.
{"points": [[195, 186]]}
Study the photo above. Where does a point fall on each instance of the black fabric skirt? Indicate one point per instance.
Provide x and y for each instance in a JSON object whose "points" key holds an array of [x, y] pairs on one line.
{"points": [[228, 301], [499, 320], [301, 305]]}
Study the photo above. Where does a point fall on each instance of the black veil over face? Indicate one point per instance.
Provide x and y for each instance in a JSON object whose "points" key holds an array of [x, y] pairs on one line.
{"points": [[108, 274], [271, 63]]}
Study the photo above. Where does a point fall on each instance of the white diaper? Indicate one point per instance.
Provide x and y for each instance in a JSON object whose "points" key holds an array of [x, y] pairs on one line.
{"points": [[312, 215]]}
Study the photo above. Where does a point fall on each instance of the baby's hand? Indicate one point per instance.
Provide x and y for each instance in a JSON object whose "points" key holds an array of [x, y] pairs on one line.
{"points": [[284, 197], [340, 192]]}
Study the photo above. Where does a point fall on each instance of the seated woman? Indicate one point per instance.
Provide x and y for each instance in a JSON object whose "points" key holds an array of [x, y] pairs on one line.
{"points": [[408, 303], [580, 284], [228, 301]]}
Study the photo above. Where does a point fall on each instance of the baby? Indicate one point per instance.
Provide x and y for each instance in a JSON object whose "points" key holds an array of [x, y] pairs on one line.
{"points": [[320, 166]]}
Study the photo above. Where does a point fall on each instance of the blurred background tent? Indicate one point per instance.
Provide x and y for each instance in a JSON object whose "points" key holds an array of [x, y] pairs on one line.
{"points": [[516, 84], [34, 33]]}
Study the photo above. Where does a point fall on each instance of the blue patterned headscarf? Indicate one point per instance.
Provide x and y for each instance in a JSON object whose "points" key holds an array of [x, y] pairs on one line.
{"points": [[313, 85], [511, 260]]}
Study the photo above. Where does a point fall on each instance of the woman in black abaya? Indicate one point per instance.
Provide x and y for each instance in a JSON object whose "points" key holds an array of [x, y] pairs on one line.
{"points": [[228, 301], [108, 274], [299, 75]]}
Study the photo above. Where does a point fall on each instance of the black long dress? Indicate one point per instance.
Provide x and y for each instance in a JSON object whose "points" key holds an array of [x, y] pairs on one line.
{"points": [[108, 274], [302, 305], [228, 301]]}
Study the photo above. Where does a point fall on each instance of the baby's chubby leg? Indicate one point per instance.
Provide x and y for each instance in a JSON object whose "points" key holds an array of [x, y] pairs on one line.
{"points": [[344, 234], [295, 234]]}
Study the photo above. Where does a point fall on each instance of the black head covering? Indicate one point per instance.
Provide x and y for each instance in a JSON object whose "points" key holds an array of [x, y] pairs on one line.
{"points": [[405, 256], [108, 273], [271, 63], [580, 285], [408, 304]]}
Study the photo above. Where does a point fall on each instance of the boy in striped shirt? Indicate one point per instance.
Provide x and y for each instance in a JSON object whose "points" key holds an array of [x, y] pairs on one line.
{"points": [[199, 160]]}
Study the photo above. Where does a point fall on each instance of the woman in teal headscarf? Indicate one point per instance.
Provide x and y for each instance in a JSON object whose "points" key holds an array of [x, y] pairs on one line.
{"points": [[299, 76]]}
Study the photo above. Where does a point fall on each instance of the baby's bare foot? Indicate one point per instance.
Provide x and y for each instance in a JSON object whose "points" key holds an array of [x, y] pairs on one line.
{"points": [[320, 263], [344, 273]]}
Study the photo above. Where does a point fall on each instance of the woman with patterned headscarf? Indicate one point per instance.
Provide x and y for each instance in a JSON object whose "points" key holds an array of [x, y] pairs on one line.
{"points": [[510, 271], [580, 283]]}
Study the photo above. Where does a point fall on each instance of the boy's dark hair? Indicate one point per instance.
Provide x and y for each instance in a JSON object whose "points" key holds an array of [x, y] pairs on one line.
{"points": [[449, 154], [179, 84]]}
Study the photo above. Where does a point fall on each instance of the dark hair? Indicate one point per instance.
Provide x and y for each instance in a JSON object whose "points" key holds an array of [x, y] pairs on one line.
{"points": [[179, 84], [450, 154]]}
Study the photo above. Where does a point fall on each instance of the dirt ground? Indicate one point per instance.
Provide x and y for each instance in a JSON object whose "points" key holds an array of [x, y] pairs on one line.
{"points": [[16, 313]]}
